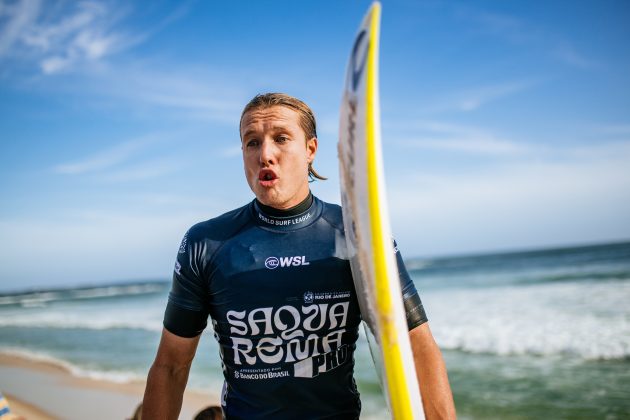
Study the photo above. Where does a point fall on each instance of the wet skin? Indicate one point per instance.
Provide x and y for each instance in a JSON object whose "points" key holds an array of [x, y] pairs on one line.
{"points": [[276, 154]]}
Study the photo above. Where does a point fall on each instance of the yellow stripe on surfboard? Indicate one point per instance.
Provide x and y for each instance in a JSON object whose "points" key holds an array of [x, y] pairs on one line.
{"points": [[396, 376]]}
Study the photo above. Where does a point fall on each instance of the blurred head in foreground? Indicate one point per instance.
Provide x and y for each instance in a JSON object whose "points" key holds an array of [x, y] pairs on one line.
{"points": [[210, 413]]}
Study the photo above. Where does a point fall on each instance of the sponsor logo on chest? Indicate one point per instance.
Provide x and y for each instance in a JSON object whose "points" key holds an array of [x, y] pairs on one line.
{"points": [[274, 262]]}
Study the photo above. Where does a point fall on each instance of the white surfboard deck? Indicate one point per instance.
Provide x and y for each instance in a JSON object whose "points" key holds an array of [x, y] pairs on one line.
{"points": [[366, 223]]}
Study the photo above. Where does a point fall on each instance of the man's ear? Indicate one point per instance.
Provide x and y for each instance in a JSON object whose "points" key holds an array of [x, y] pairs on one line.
{"points": [[311, 148]]}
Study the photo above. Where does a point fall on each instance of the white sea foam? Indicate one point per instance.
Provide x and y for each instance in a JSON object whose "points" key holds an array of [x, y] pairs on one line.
{"points": [[120, 377], [41, 298], [35, 356], [89, 317], [116, 376], [586, 320], [589, 320], [30, 299]]}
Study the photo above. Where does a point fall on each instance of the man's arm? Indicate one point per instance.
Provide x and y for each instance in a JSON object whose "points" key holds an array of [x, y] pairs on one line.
{"points": [[437, 398], [168, 376]]}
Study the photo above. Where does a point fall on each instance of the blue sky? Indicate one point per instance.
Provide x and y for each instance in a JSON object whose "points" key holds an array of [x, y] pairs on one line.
{"points": [[506, 125]]}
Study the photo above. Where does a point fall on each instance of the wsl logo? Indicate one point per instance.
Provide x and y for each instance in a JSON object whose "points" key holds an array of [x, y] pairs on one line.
{"points": [[274, 262]]}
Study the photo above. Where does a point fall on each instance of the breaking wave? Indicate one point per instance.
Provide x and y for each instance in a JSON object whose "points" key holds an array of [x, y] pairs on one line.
{"points": [[585, 320], [38, 298]]}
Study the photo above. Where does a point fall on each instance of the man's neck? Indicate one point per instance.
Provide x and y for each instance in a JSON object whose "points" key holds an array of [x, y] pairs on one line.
{"points": [[293, 211]]}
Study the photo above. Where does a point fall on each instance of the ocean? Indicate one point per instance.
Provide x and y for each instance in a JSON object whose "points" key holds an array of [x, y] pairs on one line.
{"points": [[528, 335]]}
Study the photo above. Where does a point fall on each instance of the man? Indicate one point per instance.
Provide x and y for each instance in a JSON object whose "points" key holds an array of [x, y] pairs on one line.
{"points": [[275, 279]]}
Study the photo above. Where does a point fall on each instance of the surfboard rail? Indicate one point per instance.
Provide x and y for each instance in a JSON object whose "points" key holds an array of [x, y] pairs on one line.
{"points": [[366, 221]]}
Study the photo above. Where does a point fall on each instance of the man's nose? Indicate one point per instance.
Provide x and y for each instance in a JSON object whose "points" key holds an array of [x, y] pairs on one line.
{"points": [[267, 152]]}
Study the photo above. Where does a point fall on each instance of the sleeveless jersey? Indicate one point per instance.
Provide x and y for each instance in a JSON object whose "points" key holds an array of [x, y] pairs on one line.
{"points": [[280, 294]]}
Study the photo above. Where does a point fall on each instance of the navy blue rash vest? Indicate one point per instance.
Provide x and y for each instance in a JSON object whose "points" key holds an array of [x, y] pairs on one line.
{"points": [[280, 294]]}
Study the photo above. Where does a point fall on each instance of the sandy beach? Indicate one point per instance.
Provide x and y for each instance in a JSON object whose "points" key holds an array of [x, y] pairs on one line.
{"points": [[39, 390], [24, 410]]}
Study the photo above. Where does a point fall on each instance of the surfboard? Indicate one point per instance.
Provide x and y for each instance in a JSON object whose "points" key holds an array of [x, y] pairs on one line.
{"points": [[366, 223]]}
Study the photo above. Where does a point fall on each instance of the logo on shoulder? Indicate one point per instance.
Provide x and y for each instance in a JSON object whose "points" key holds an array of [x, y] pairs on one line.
{"points": [[272, 263], [178, 267], [182, 246], [308, 297]]}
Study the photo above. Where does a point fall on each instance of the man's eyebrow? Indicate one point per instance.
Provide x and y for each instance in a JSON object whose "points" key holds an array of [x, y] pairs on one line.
{"points": [[248, 133], [274, 129], [280, 128]]}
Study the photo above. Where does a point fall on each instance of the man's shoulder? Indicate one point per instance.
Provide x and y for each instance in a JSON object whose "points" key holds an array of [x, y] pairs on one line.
{"points": [[222, 227], [332, 214]]}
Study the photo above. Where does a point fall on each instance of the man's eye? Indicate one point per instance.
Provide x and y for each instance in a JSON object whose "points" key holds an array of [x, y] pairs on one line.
{"points": [[282, 139], [252, 143]]}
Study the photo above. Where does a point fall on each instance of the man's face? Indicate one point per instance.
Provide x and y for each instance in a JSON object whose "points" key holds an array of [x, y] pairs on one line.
{"points": [[276, 155]]}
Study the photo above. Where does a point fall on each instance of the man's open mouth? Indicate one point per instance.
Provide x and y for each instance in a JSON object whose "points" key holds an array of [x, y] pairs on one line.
{"points": [[266, 177]]}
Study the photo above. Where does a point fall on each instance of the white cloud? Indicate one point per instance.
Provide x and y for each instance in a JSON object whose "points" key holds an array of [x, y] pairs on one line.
{"points": [[93, 45], [569, 54], [474, 98], [535, 201], [509, 27], [46, 35], [198, 95], [154, 168], [62, 37], [522, 33], [67, 38], [87, 35], [472, 145], [106, 159], [17, 17], [463, 139], [55, 64]]}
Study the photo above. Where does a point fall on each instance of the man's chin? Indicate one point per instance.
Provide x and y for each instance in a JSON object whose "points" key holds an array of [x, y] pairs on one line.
{"points": [[268, 197]]}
